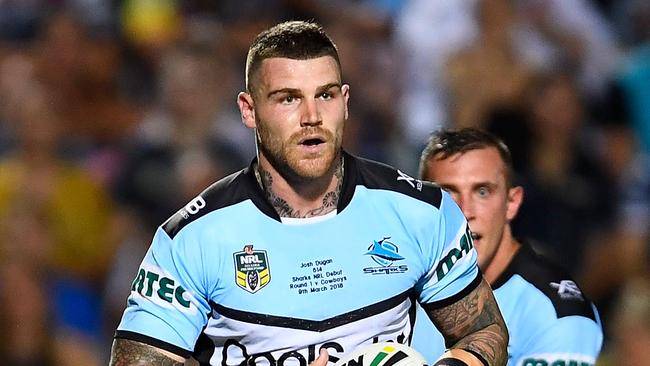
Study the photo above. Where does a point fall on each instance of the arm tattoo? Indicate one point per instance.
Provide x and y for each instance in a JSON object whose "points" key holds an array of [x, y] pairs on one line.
{"points": [[130, 353], [329, 203], [474, 323]]}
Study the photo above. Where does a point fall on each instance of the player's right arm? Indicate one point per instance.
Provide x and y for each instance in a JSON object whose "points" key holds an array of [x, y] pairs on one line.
{"points": [[167, 307], [131, 353]]}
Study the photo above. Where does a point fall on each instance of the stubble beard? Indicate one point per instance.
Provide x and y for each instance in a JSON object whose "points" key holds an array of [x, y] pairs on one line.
{"points": [[290, 163]]}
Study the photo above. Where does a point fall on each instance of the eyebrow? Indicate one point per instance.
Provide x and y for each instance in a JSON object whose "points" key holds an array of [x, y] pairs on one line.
{"points": [[297, 91], [283, 91], [484, 184], [329, 86]]}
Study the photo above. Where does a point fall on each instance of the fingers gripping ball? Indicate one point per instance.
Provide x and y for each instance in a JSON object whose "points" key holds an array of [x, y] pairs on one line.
{"points": [[383, 354]]}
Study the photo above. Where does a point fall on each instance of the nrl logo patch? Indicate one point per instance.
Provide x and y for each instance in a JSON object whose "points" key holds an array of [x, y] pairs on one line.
{"points": [[251, 269]]}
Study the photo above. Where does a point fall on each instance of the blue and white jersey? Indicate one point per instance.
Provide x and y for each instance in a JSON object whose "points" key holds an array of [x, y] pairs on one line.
{"points": [[227, 281], [549, 320]]}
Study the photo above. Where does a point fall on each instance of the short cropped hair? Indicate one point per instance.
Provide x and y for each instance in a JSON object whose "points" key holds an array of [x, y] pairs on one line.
{"points": [[445, 143], [298, 40]]}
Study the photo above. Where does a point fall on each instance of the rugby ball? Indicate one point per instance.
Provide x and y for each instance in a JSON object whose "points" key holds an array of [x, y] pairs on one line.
{"points": [[382, 354]]}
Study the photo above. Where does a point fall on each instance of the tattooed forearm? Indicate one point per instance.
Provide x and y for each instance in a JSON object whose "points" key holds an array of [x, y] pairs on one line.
{"points": [[491, 341], [474, 323], [130, 353]]}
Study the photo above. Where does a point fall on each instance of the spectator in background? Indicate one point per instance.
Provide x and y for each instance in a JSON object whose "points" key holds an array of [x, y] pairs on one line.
{"points": [[81, 70], [573, 36], [16, 74], [624, 253], [488, 74], [64, 259], [545, 36], [631, 325], [426, 34], [563, 176], [634, 75]]}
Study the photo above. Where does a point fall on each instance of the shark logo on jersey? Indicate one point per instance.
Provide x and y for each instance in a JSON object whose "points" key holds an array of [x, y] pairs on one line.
{"points": [[252, 271], [384, 253]]}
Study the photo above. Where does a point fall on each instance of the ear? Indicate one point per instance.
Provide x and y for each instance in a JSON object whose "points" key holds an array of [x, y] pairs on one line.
{"points": [[247, 109], [515, 198], [345, 90]]}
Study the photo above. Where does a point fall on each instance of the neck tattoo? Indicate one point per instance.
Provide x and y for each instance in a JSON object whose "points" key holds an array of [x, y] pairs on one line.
{"points": [[282, 207]]}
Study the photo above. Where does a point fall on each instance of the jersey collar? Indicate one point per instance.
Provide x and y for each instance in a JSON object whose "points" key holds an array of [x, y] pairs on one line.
{"points": [[350, 178]]}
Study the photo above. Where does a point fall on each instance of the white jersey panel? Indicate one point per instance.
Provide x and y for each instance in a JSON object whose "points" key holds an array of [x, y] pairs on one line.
{"points": [[241, 341]]}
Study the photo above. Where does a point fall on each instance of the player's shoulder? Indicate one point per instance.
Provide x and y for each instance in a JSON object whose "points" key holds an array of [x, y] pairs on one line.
{"points": [[375, 175], [226, 192], [553, 281]]}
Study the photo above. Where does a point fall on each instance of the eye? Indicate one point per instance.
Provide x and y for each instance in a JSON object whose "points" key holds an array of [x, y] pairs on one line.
{"points": [[325, 96], [288, 99], [483, 191]]}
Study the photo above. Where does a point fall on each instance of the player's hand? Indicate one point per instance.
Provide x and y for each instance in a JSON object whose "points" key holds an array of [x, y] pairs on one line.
{"points": [[322, 359]]}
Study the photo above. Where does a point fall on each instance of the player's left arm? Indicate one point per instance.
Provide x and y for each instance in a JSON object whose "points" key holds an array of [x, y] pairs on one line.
{"points": [[473, 328]]}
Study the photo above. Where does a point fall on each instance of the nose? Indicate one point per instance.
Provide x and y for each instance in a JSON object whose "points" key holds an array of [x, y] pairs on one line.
{"points": [[466, 205], [310, 113]]}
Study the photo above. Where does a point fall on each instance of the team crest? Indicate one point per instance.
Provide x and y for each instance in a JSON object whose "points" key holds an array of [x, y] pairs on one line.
{"points": [[251, 269], [384, 252]]}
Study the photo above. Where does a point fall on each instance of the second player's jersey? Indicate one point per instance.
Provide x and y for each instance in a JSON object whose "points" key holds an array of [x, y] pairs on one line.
{"points": [[227, 280], [549, 320]]}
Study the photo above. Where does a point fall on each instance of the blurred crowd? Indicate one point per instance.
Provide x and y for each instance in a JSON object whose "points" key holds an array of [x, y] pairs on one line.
{"points": [[114, 114]]}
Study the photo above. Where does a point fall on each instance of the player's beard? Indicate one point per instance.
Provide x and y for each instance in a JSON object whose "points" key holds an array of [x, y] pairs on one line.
{"points": [[294, 165]]}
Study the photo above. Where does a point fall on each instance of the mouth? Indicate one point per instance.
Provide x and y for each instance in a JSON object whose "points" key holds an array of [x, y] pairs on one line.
{"points": [[314, 141], [476, 236]]}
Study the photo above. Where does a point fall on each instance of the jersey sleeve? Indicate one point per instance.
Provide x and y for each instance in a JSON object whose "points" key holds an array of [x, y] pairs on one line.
{"points": [[571, 340], [168, 306], [453, 269]]}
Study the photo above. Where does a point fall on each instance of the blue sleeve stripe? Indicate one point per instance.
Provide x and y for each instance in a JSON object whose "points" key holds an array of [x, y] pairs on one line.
{"points": [[454, 298], [133, 336]]}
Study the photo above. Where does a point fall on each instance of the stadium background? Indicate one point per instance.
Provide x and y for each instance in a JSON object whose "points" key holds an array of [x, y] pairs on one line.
{"points": [[113, 114]]}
